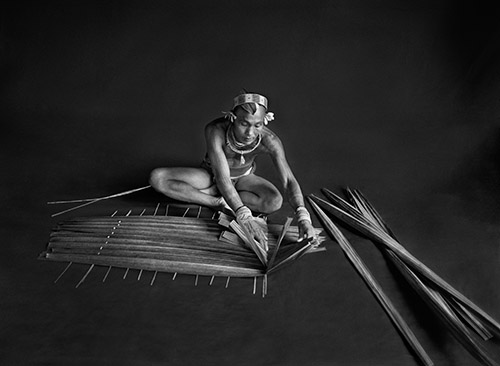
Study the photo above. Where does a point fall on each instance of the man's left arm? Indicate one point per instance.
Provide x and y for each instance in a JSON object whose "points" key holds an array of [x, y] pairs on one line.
{"points": [[292, 191]]}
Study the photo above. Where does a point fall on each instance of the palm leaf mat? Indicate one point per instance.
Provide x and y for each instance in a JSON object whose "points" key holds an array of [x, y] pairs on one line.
{"points": [[197, 245]]}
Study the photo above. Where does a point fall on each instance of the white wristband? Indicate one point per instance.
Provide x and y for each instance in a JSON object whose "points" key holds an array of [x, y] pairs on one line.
{"points": [[302, 214], [243, 213]]}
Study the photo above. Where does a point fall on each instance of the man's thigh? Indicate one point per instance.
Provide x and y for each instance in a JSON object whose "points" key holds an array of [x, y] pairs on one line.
{"points": [[199, 178]]}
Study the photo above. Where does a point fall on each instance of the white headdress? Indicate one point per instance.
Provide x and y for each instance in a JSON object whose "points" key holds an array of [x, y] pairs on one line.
{"points": [[249, 98]]}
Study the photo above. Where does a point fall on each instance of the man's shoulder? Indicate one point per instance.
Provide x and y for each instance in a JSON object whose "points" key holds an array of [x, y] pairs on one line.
{"points": [[217, 127], [270, 136], [219, 123], [271, 140]]}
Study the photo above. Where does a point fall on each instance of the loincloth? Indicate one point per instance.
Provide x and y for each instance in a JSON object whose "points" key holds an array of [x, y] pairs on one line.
{"points": [[205, 164]]}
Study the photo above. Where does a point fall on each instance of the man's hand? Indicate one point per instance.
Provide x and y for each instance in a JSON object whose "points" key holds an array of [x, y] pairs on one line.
{"points": [[245, 219], [306, 230]]}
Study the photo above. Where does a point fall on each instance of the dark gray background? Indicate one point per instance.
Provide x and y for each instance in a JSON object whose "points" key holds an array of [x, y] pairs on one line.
{"points": [[398, 99]]}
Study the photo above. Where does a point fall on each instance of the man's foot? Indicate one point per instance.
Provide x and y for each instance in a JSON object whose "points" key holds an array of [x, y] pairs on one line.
{"points": [[224, 207], [262, 217]]}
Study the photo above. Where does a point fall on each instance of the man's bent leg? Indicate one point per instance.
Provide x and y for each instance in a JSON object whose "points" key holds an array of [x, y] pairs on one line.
{"points": [[259, 194], [193, 185]]}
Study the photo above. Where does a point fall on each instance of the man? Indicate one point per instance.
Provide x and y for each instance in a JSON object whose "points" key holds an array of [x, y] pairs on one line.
{"points": [[227, 177]]}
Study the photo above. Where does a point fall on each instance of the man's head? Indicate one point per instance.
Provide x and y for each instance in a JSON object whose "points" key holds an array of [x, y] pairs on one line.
{"points": [[249, 110], [249, 120]]}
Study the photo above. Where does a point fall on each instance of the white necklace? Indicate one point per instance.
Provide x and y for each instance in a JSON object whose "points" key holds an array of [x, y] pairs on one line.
{"points": [[237, 147]]}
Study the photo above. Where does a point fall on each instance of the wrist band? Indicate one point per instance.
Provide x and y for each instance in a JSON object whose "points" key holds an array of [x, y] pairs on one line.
{"points": [[239, 208], [243, 213], [302, 214]]}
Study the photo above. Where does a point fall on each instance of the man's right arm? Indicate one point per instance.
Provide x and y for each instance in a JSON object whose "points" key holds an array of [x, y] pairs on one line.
{"points": [[214, 136]]}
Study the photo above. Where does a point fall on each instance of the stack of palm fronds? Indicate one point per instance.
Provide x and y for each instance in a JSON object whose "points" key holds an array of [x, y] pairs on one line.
{"points": [[458, 313]]}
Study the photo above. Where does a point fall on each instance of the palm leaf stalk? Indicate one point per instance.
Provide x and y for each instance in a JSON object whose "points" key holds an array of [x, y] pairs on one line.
{"points": [[380, 236], [373, 285], [445, 305], [371, 214]]}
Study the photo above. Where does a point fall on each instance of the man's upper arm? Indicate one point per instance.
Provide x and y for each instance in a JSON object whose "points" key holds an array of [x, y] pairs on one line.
{"points": [[214, 140], [215, 137], [277, 152], [211, 138]]}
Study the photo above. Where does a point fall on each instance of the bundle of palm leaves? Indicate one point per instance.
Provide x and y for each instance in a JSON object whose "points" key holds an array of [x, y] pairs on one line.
{"points": [[459, 314]]}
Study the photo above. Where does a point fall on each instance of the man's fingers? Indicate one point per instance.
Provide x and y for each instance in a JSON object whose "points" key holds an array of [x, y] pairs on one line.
{"points": [[263, 242], [259, 234], [256, 231], [301, 235], [306, 233]]}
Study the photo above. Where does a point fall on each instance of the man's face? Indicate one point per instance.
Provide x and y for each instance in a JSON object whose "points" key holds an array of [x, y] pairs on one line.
{"points": [[248, 126]]}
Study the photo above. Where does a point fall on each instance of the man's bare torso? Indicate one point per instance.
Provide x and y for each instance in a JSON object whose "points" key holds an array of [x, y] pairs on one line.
{"points": [[268, 144]]}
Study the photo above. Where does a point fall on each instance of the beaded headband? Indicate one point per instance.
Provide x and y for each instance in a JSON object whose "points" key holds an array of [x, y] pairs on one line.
{"points": [[249, 98]]}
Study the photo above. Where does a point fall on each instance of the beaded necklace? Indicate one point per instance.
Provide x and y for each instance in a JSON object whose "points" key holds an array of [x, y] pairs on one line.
{"points": [[239, 147]]}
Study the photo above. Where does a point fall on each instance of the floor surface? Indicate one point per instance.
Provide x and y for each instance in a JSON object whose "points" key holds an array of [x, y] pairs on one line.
{"points": [[399, 101]]}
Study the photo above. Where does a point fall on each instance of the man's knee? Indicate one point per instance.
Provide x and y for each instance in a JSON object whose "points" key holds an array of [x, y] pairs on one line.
{"points": [[158, 177], [271, 203]]}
